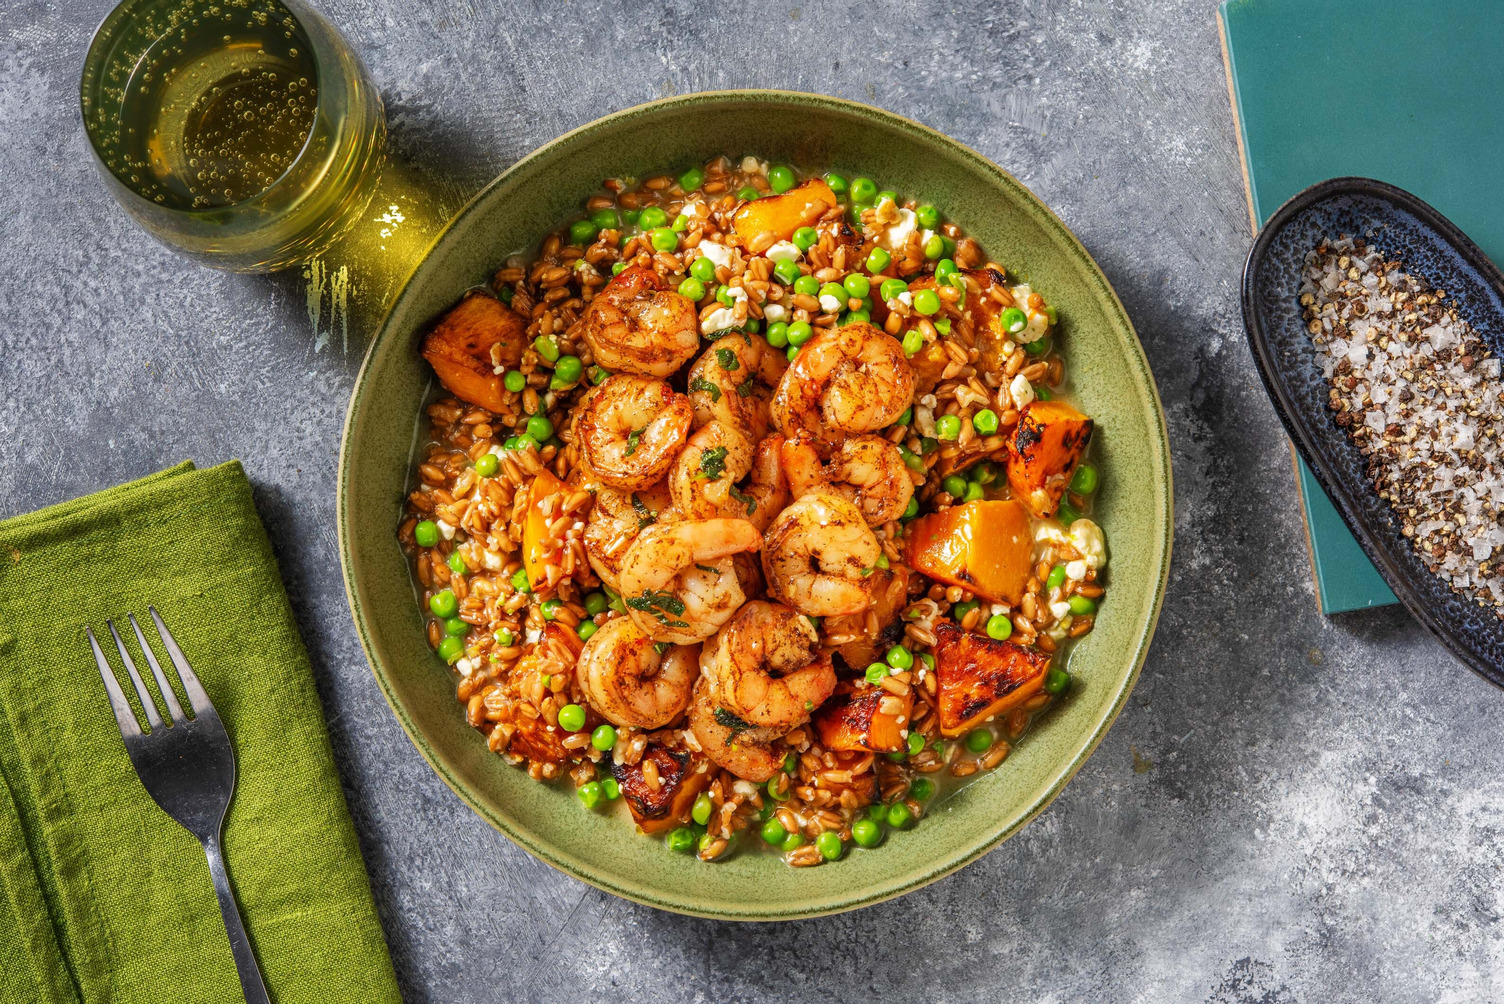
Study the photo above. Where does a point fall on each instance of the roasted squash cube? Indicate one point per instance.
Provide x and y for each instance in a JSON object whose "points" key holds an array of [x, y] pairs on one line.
{"points": [[681, 777], [851, 719], [979, 678], [478, 334], [983, 546], [764, 222], [1043, 452], [535, 527]]}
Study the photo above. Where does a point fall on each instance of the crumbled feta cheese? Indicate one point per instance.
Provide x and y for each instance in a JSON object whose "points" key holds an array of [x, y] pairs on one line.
{"points": [[751, 165], [531, 636], [744, 788], [1089, 540], [774, 312], [784, 251], [736, 293], [447, 529], [897, 234], [829, 302], [491, 560], [719, 255], [1021, 391], [693, 209], [464, 666], [1050, 533], [1060, 608], [906, 298], [718, 320], [1075, 570], [1061, 628]]}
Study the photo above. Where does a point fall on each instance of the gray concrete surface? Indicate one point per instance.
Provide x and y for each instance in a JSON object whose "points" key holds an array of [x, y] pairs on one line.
{"points": [[1291, 810]]}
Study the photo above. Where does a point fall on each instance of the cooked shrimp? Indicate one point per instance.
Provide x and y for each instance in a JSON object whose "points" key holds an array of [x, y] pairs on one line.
{"points": [[615, 521], [631, 428], [817, 556], [678, 580], [749, 753], [703, 479], [850, 379], [762, 666], [636, 324], [626, 677], [767, 490], [866, 470], [733, 382]]}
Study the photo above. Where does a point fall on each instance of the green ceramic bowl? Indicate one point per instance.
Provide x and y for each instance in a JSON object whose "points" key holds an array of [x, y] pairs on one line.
{"points": [[1110, 378]]}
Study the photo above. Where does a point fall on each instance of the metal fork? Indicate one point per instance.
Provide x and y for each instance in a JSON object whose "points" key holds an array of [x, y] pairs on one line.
{"points": [[187, 766]]}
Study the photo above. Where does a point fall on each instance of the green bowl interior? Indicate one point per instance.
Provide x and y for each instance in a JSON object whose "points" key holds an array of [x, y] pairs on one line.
{"points": [[1106, 369]]}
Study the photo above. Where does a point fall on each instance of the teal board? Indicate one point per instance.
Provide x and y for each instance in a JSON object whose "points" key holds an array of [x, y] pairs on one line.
{"points": [[1405, 93]]}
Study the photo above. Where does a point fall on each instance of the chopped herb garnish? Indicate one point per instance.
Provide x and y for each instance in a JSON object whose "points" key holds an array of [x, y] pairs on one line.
{"points": [[713, 464], [726, 359], [700, 383], [727, 720], [656, 604], [633, 438], [645, 516], [709, 569], [748, 500], [745, 387], [662, 646]]}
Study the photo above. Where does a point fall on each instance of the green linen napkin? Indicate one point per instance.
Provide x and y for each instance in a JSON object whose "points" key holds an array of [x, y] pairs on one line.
{"points": [[102, 896]]}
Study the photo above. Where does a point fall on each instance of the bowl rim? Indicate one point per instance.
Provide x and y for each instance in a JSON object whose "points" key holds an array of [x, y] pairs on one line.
{"points": [[987, 840], [1307, 443]]}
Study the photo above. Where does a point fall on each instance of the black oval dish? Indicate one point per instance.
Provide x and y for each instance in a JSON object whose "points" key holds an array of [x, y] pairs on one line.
{"points": [[1430, 245]]}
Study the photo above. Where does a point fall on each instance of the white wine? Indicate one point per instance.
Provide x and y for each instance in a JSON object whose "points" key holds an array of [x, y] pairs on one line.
{"points": [[252, 150]]}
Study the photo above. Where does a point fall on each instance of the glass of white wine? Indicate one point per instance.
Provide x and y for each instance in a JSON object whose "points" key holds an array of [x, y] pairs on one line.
{"points": [[243, 133]]}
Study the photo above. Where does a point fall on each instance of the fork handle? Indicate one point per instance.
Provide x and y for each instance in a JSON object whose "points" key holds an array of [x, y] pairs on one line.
{"points": [[240, 945]]}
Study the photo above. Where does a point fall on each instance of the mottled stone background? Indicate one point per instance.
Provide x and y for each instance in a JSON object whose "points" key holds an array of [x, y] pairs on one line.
{"points": [[1291, 809]]}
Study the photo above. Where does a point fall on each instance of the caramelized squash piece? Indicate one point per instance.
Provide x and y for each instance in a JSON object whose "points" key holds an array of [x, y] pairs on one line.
{"points": [[984, 546], [889, 589], [535, 527], [979, 678], [681, 778], [851, 720], [478, 334], [764, 222], [1043, 451]]}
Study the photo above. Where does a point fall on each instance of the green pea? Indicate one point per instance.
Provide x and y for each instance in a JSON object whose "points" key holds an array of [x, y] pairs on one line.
{"points": [[506, 294], [426, 533], [792, 842], [604, 737], [915, 743], [1081, 606], [680, 840], [928, 217], [778, 334], [928, 445], [892, 289], [748, 194], [944, 269], [792, 353], [691, 179], [520, 582], [950, 246], [539, 427], [985, 422], [1084, 481], [983, 472], [692, 289], [571, 718], [1038, 347], [1052, 314], [948, 427], [999, 627], [504, 638], [866, 833], [781, 179], [886, 195], [569, 369], [836, 182], [664, 239], [943, 325], [550, 609], [450, 650], [652, 217], [877, 672], [928, 660], [879, 259], [1067, 514], [913, 341], [1042, 393], [773, 832], [775, 796], [856, 285], [863, 190], [618, 268], [790, 764], [514, 381], [723, 295], [829, 843], [927, 302], [834, 289], [680, 224], [914, 462], [598, 375], [912, 509], [974, 492], [1056, 578], [546, 347], [444, 603], [899, 815], [900, 658], [487, 464], [933, 247], [606, 219], [799, 333], [806, 238], [906, 417], [855, 317], [595, 603], [1013, 320], [703, 807], [786, 271], [589, 794], [1056, 681], [807, 285], [612, 788], [582, 232], [954, 485], [456, 628], [703, 269], [457, 564], [524, 442], [921, 789], [960, 610], [586, 629]]}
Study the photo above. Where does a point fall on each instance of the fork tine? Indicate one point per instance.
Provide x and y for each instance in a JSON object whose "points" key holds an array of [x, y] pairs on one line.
{"points": [[174, 709], [191, 686], [129, 727], [147, 704]]}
